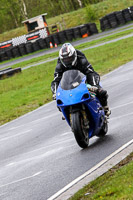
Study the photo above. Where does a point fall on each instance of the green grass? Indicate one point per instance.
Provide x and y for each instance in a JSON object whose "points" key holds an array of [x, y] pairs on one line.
{"points": [[31, 88], [116, 184], [105, 39], [25, 91], [77, 17], [110, 56], [36, 60]]}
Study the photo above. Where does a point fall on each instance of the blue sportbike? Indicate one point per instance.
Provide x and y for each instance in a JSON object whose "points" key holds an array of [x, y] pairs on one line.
{"points": [[80, 107]]}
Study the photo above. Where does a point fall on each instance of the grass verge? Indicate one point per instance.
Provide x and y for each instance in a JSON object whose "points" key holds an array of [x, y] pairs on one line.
{"points": [[26, 91], [116, 184]]}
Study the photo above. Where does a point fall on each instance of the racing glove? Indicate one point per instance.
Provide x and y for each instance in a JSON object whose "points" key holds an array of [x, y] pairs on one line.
{"points": [[54, 96]]}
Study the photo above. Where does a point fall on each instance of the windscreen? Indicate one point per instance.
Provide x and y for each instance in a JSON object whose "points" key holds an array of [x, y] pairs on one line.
{"points": [[71, 79]]}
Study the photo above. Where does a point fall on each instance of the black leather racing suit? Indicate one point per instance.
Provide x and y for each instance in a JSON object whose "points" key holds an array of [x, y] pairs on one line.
{"points": [[85, 67]]}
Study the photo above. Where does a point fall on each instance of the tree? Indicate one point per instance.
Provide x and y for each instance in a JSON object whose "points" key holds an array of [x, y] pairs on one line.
{"points": [[80, 3], [23, 9], [13, 12], [9, 13]]}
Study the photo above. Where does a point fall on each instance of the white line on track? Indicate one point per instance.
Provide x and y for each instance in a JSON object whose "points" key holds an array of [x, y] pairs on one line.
{"points": [[89, 171], [36, 121], [10, 164], [122, 105], [119, 117], [40, 149], [67, 133], [40, 156], [23, 179], [42, 107], [16, 135]]}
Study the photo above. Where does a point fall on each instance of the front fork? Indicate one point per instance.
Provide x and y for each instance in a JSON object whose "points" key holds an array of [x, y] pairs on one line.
{"points": [[83, 113]]}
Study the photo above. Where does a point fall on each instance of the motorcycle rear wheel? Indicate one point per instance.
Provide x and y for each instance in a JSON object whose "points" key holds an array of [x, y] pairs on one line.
{"points": [[80, 132], [103, 130]]}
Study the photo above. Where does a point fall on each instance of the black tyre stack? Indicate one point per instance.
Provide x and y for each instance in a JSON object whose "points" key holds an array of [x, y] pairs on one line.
{"points": [[126, 15], [117, 18], [112, 20], [84, 30], [29, 47], [3, 56], [120, 18], [42, 43], [56, 39], [22, 49], [104, 23], [62, 37], [9, 72], [69, 34], [51, 41], [36, 46], [77, 32], [9, 53], [92, 28], [15, 52], [131, 12]]}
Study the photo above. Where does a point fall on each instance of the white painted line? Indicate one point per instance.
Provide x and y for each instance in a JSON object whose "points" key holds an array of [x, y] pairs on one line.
{"points": [[10, 164], [126, 104], [67, 133], [37, 120], [45, 147], [13, 128], [40, 156], [23, 179], [16, 135], [119, 117], [38, 173], [47, 117], [90, 171], [42, 107]]}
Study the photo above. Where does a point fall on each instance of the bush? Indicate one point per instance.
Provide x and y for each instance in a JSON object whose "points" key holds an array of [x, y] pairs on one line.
{"points": [[92, 1], [90, 13]]}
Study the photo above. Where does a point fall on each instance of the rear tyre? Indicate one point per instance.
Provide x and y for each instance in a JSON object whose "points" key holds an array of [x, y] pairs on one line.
{"points": [[103, 130], [80, 132]]}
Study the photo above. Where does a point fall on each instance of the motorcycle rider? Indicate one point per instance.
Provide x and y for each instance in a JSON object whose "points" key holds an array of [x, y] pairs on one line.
{"points": [[71, 58]]}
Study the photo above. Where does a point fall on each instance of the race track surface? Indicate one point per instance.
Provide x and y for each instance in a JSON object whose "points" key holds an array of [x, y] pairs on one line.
{"points": [[38, 152]]}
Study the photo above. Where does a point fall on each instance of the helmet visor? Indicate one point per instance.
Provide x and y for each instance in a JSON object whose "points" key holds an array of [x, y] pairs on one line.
{"points": [[68, 60]]}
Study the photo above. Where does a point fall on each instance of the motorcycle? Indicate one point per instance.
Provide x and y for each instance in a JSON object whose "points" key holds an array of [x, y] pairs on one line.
{"points": [[81, 107]]}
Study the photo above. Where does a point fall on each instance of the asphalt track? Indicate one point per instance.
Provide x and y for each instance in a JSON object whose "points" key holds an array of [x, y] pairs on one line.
{"points": [[39, 155]]}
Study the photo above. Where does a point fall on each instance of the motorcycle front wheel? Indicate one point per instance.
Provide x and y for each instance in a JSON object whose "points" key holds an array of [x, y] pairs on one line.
{"points": [[79, 130]]}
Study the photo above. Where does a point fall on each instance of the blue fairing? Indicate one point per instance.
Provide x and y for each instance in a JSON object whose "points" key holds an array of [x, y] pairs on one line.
{"points": [[80, 95], [74, 96]]}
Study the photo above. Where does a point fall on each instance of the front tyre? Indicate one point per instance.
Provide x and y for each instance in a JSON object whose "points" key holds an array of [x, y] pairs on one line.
{"points": [[80, 132]]}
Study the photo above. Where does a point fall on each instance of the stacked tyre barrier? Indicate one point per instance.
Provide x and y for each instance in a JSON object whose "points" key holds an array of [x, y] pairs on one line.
{"points": [[8, 72], [116, 19], [43, 43]]}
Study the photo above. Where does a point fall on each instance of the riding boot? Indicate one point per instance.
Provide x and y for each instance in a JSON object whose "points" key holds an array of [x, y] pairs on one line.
{"points": [[107, 111], [103, 96]]}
